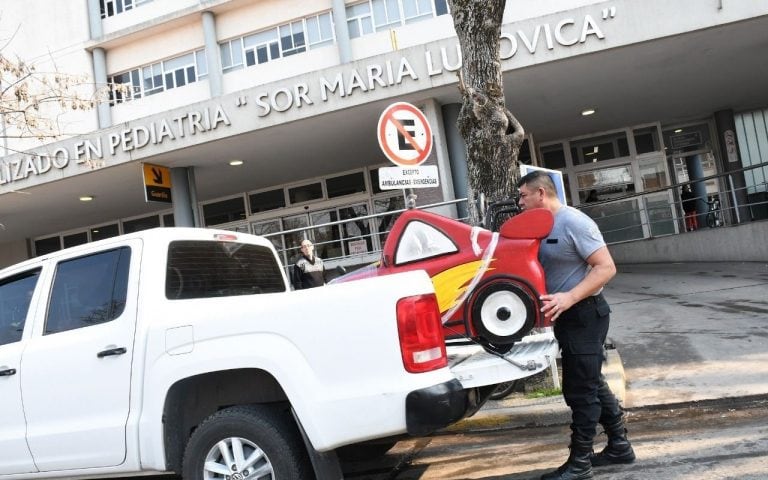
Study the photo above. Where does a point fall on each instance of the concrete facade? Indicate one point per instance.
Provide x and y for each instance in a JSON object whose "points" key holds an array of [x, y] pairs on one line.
{"points": [[309, 117]]}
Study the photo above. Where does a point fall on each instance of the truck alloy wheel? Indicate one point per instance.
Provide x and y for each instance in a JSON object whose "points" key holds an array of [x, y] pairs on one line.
{"points": [[501, 313], [246, 443]]}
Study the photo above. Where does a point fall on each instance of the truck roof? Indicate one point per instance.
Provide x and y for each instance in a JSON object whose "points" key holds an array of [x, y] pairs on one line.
{"points": [[152, 236]]}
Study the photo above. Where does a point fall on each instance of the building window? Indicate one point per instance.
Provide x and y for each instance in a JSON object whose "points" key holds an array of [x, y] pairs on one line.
{"points": [[277, 42], [553, 156], [292, 39], [319, 30], [646, 140], [597, 149], [231, 55], [224, 211], [111, 8], [417, 10], [269, 200], [140, 224], [359, 20], [261, 47], [158, 77], [104, 231], [305, 193], [345, 184], [75, 239], [386, 14], [47, 245], [375, 15]]}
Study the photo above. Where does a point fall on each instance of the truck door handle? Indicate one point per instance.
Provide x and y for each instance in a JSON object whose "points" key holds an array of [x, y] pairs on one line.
{"points": [[7, 372], [111, 352]]}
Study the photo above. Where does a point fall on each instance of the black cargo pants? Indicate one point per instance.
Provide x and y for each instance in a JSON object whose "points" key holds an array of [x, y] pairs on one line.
{"points": [[581, 331]]}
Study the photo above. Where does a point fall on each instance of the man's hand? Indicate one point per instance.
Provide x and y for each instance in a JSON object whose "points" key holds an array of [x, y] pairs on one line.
{"points": [[555, 304]]}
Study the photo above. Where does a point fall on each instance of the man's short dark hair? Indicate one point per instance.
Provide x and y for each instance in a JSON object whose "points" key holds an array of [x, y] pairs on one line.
{"points": [[538, 179]]}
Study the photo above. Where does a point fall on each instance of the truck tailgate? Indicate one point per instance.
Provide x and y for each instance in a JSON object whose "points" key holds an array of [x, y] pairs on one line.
{"points": [[474, 367]]}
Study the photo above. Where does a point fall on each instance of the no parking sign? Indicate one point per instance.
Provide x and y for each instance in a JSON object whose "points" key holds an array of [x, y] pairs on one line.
{"points": [[404, 135], [405, 138]]}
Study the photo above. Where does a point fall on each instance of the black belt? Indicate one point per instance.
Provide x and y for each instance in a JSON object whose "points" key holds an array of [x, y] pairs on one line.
{"points": [[590, 300]]}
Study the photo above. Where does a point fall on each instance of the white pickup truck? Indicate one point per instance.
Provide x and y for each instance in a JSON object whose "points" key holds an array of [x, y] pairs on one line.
{"points": [[183, 350]]}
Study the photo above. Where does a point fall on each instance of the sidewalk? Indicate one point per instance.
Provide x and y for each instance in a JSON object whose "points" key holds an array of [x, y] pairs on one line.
{"points": [[517, 412], [683, 332]]}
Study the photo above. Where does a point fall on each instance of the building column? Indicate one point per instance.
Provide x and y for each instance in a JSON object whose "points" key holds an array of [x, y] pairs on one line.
{"points": [[431, 110], [695, 172], [212, 55], [457, 154], [94, 19], [342, 31], [103, 109], [725, 125], [184, 194]]}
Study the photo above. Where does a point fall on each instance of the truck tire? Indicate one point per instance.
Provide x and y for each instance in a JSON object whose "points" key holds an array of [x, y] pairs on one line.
{"points": [[255, 442]]}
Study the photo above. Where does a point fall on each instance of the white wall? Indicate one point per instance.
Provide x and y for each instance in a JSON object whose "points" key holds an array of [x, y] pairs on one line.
{"points": [[56, 46], [170, 43], [144, 13], [740, 243], [12, 253]]}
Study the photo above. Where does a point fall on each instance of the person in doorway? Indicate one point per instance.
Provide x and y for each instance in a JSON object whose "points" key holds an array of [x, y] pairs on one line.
{"points": [[577, 264], [308, 271], [689, 207]]}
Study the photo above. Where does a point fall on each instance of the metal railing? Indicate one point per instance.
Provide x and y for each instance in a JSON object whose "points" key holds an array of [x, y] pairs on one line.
{"points": [[660, 211], [636, 216], [375, 238]]}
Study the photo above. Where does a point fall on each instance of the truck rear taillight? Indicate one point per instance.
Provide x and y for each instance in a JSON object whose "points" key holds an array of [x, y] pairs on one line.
{"points": [[421, 336]]}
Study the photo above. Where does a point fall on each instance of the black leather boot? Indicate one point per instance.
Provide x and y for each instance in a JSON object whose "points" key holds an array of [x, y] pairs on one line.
{"points": [[618, 450], [578, 466]]}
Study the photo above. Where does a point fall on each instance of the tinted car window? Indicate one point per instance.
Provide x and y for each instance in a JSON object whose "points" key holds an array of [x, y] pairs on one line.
{"points": [[15, 296], [202, 269], [88, 290]]}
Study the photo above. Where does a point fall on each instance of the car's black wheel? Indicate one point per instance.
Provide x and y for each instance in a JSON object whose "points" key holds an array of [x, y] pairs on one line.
{"points": [[502, 390], [501, 313], [254, 442]]}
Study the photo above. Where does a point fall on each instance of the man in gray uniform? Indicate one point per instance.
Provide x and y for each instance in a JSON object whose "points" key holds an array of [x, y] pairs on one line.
{"points": [[577, 265]]}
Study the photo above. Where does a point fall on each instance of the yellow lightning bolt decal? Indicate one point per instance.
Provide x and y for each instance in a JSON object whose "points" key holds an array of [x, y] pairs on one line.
{"points": [[451, 283]]}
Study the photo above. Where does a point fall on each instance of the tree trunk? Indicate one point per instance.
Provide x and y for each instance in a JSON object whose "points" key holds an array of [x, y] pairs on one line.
{"points": [[492, 134]]}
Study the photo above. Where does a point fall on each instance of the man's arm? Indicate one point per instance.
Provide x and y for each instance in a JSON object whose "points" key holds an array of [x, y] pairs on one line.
{"points": [[296, 276], [602, 271]]}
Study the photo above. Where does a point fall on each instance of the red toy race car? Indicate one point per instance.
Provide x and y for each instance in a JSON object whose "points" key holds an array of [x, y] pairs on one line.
{"points": [[487, 283]]}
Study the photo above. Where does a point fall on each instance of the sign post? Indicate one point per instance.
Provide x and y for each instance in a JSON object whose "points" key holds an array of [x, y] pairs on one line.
{"points": [[405, 137], [157, 183]]}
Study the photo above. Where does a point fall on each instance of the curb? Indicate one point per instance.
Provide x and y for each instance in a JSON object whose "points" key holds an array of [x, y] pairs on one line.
{"points": [[540, 412]]}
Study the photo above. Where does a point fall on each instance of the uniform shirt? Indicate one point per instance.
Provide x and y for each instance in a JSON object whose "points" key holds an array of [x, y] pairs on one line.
{"points": [[574, 237], [308, 273]]}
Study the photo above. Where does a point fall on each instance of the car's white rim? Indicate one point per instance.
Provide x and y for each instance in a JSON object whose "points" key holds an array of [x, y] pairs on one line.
{"points": [[236, 458], [503, 313]]}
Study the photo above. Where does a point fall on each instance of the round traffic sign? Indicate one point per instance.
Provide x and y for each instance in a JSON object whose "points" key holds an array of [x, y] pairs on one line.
{"points": [[404, 135]]}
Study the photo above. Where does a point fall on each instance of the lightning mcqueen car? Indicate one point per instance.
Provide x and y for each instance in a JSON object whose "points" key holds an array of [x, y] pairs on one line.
{"points": [[487, 283]]}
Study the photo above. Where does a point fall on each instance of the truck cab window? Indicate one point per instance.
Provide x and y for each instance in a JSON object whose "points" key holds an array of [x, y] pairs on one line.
{"points": [[203, 269], [15, 295], [88, 290]]}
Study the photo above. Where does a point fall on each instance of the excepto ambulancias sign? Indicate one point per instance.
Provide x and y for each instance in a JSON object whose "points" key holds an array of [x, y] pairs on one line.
{"points": [[405, 137]]}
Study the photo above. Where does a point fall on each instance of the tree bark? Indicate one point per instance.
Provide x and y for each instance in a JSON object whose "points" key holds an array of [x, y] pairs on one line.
{"points": [[492, 134]]}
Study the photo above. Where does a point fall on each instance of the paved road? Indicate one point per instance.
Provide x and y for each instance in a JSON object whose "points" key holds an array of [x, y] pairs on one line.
{"points": [[728, 440], [691, 331]]}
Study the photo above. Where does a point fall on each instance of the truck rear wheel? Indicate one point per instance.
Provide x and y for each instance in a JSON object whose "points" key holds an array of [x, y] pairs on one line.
{"points": [[254, 442]]}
